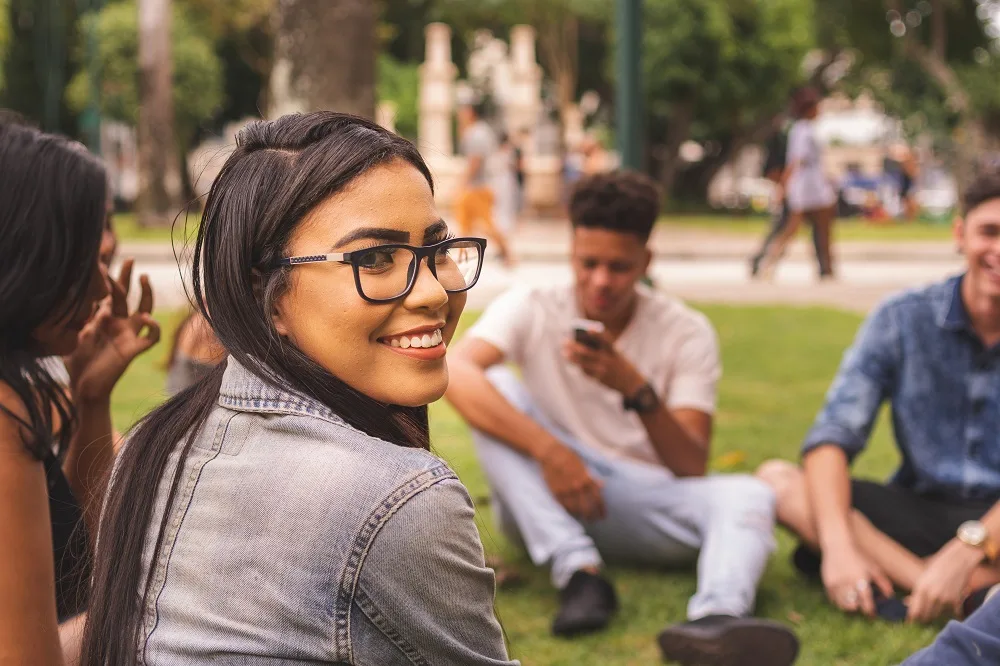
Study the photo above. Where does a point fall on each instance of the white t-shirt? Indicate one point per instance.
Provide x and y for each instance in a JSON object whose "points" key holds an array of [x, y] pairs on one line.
{"points": [[673, 346], [808, 186]]}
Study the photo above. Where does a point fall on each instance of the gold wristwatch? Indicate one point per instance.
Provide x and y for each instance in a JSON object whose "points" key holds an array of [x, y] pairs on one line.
{"points": [[974, 533]]}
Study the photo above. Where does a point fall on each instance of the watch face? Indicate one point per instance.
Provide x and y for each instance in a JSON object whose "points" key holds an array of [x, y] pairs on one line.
{"points": [[972, 533], [646, 399]]}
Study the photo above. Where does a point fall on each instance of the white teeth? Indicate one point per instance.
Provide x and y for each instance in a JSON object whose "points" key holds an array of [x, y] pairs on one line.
{"points": [[425, 341]]}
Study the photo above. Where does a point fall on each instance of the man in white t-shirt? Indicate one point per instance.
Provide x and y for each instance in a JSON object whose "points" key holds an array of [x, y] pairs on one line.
{"points": [[598, 451]]}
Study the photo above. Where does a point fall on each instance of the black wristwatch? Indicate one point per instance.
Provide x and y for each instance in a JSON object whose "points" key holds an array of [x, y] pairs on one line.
{"points": [[644, 401]]}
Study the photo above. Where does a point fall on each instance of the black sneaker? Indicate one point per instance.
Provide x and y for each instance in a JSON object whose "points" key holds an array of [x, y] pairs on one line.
{"points": [[586, 604], [724, 640]]}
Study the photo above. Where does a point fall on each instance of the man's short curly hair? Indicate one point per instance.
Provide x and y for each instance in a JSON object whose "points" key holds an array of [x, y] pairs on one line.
{"points": [[984, 187], [622, 201]]}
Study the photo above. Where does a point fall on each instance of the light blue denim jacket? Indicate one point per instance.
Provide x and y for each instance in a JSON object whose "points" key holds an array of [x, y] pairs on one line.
{"points": [[297, 539], [918, 351]]}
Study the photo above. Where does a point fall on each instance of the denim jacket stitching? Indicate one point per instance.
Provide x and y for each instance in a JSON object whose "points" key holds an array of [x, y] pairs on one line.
{"points": [[362, 542], [371, 611], [182, 501], [298, 407]]}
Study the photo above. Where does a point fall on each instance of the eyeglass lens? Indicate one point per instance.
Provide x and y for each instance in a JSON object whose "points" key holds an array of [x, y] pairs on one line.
{"points": [[385, 273]]}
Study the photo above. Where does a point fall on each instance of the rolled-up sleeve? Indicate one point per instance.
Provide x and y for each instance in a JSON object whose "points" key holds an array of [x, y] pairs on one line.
{"points": [[426, 585], [864, 380]]}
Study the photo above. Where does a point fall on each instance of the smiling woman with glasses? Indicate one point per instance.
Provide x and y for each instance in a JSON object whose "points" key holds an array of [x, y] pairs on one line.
{"points": [[286, 508]]}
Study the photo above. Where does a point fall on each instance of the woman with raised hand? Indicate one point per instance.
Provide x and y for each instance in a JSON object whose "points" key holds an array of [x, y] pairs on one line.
{"points": [[56, 440], [286, 508]]}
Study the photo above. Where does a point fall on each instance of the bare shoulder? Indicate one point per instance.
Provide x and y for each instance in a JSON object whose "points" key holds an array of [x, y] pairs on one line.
{"points": [[11, 407], [12, 410]]}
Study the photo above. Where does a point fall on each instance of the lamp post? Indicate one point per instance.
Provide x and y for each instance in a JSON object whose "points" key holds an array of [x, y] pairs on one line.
{"points": [[90, 119], [628, 100]]}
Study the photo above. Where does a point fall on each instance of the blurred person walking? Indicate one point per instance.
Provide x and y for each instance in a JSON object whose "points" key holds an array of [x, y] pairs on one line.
{"points": [[808, 191], [474, 204], [774, 168]]}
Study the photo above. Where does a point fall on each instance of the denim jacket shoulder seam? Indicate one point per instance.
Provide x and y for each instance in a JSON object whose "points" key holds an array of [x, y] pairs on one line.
{"points": [[367, 606], [362, 543], [160, 564]]}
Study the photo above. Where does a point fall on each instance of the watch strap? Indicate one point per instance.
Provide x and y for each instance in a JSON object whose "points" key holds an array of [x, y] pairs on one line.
{"points": [[642, 401], [990, 549]]}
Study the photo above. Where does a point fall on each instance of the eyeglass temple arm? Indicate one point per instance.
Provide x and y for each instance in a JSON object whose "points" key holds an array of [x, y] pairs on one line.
{"points": [[314, 258]]}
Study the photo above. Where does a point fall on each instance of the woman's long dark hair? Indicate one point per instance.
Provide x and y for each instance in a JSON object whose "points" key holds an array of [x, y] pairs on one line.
{"points": [[52, 208], [280, 171]]}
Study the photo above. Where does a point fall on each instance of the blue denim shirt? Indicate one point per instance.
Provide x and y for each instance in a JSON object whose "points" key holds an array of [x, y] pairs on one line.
{"points": [[918, 351], [975, 642], [296, 539]]}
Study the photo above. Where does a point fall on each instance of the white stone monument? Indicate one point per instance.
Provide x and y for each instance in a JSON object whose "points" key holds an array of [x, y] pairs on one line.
{"points": [[513, 78], [437, 104]]}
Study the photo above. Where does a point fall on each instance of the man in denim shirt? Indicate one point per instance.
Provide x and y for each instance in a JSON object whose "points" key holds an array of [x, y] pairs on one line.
{"points": [[934, 528]]}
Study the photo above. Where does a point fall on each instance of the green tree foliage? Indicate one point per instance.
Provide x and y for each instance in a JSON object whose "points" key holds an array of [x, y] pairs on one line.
{"points": [[4, 34], [399, 82], [197, 71], [37, 62], [717, 72], [933, 64]]}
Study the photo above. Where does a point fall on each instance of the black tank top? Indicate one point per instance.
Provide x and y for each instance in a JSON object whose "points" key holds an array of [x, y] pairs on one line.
{"points": [[69, 543]]}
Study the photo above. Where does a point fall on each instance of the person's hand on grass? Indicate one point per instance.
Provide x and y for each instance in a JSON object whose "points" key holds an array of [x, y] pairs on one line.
{"points": [[848, 576]]}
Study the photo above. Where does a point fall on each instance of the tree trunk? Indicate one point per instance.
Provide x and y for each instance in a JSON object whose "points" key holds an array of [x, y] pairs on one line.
{"points": [[678, 131], [560, 44], [159, 168], [324, 57]]}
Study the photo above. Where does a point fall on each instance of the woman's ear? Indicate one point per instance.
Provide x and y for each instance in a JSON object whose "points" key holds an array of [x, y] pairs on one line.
{"points": [[278, 320], [278, 317]]}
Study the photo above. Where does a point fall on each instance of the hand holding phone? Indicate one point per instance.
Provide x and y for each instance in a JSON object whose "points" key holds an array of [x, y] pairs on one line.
{"points": [[585, 332]]}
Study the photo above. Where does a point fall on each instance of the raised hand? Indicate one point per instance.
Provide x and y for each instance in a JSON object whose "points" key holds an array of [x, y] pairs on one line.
{"points": [[112, 338]]}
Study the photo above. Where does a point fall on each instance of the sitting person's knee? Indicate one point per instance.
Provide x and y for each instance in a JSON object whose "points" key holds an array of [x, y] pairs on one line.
{"points": [[782, 477], [510, 386]]}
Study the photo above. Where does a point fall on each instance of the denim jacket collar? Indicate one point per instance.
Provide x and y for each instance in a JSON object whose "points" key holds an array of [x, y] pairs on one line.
{"points": [[949, 309], [245, 392]]}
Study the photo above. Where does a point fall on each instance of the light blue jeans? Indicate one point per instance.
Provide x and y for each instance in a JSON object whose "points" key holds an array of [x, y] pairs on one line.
{"points": [[725, 522]]}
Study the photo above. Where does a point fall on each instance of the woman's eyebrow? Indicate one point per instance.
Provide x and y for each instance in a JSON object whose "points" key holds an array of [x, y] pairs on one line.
{"points": [[374, 233], [434, 230]]}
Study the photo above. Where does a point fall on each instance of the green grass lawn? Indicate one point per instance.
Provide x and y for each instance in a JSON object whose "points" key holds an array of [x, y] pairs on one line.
{"points": [[128, 229], [778, 363]]}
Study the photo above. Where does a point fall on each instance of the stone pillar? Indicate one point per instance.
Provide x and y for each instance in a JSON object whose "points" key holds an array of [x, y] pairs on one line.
{"points": [[437, 99], [525, 101], [542, 162]]}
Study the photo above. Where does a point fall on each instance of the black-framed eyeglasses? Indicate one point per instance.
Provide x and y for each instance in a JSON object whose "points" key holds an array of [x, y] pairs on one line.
{"points": [[388, 272]]}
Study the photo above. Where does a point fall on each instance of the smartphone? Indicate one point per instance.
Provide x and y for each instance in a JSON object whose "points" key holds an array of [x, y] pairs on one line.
{"points": [[584, 331]]}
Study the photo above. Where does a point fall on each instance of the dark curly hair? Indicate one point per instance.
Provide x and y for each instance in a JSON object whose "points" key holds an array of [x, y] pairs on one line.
{"points": [[623, 201], [984, 187]]}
